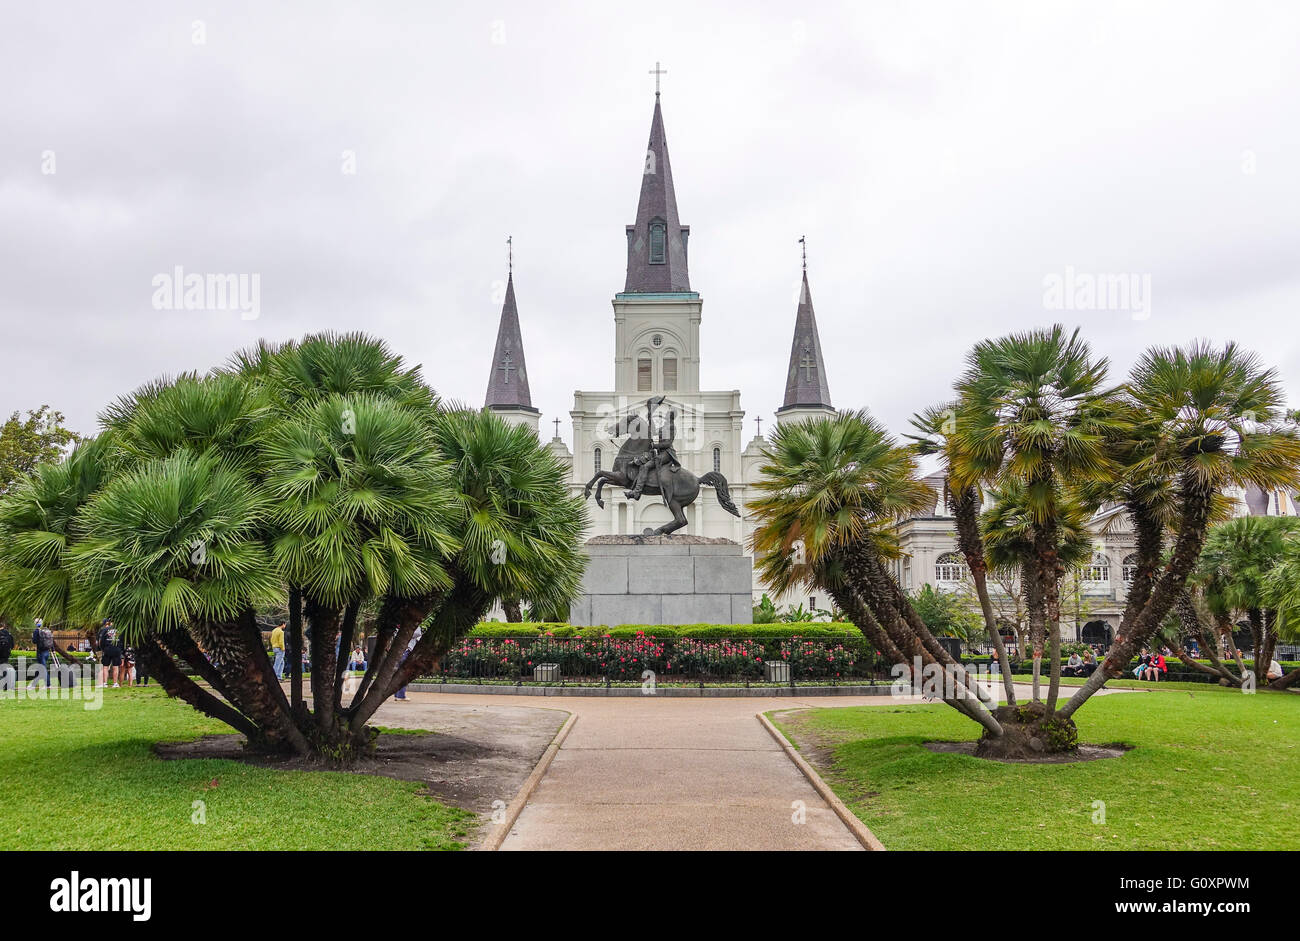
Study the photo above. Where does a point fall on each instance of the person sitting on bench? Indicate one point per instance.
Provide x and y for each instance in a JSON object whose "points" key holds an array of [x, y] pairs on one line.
{"points": [[1156, 666]]}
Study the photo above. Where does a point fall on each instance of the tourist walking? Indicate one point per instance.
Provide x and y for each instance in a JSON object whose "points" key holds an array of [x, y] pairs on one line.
{"points": [[43, 641], [110, 650], [277, 650], [6, 648]]}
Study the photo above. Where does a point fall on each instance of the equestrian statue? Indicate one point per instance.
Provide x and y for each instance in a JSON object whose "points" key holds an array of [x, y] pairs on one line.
{"points": [[647, 463]]}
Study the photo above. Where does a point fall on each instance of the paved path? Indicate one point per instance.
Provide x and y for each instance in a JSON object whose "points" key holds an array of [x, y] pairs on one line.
{"points": [[644, 773]]}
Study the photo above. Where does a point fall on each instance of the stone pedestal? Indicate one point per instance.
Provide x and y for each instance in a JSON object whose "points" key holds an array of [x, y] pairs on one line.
{"points": [[664, 580]]}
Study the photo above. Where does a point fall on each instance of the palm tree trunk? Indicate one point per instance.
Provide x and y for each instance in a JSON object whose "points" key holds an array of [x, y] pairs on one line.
{"points": [[385, 630], [1054, 651], [1268, 644], [1164, 592], [1190, 619], [1254, 617], [965, 507], [1225, 629], [900, 621], [849, 602], [399, 618], [514, 615], [324, 658], [259, 697], [179, 644], [295, 661], [462, 608], [179, 686], [1051, 573], [1036, 606], [345, 651], [1287, 681]]}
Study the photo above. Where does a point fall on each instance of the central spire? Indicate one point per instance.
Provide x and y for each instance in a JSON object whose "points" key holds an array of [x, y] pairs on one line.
{"points": [[656, 244]]}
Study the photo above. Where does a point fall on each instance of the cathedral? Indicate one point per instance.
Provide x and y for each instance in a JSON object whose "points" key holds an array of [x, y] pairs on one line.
{"points": [[657, 353]]}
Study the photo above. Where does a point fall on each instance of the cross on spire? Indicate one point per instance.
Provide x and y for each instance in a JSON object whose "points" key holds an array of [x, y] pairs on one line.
{"points": [[510, 253], [758, 420], [808, 364], [556, 422], [506, 366], [656, 72], [803, 241]]}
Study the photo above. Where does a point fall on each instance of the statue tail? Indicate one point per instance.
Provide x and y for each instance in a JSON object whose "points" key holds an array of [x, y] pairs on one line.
{"points": [[719, 483]]}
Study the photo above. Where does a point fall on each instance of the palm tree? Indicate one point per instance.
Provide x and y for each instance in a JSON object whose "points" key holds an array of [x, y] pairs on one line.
{"points": [[1233, 571], [519, 535], [323, 471], [1281, 592], [175, 544], [1199, 420], [363, 508], [1008, 528], [1032, 413], [37, 516], [964, 500], [831, 491]]}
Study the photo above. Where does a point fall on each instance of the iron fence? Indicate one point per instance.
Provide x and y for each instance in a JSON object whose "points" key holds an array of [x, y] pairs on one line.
{"points": [[834, 660]]}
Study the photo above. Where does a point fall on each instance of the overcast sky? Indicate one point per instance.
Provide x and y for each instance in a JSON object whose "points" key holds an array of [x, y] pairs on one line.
{"points": [[942, 159]]}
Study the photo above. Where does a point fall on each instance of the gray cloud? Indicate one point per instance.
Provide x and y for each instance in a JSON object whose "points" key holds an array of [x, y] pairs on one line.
{"points": [[941, 158]]}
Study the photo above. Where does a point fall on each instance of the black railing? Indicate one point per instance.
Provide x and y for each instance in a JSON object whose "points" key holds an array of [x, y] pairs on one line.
{"points": [[674, 660]]}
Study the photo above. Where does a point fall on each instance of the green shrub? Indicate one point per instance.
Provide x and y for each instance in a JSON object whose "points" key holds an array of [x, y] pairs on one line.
{"points": [[626, 650]]}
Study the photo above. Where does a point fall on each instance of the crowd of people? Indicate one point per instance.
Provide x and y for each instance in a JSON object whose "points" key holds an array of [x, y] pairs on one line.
{"points": [[117, 662], [282, 654]]}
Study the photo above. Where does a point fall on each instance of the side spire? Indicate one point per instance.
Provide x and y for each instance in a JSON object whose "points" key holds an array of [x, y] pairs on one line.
{"points": [[806, 386], [656, 244], [508, 380]]}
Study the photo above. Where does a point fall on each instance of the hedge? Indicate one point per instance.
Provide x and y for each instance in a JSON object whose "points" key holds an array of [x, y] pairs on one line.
{"points": [[765, 632]]}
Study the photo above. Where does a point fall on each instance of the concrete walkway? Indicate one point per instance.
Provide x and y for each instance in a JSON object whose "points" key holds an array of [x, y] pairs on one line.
{"points": [[672, 774]]}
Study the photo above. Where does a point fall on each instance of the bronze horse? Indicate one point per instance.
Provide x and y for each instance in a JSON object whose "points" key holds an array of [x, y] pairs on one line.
{"points": [[685, 486]]}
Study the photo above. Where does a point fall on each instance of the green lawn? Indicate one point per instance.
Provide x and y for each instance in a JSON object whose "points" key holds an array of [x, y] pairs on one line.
{"points": [[72, 779], [1210, 769]]}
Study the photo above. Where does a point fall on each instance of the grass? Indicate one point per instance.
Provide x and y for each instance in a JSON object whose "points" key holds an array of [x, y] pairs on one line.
{"points": [[76, 779], [1121, 683], [1210, 769]]}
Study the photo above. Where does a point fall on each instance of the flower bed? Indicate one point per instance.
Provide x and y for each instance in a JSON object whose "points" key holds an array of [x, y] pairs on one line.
{"points": [[586, 654]]}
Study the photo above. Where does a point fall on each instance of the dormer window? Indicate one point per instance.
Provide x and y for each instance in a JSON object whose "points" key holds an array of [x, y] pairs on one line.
{"points": [[658, 241]]}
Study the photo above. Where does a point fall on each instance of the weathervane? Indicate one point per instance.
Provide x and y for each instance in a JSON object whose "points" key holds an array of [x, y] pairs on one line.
{"points": [[656, 72]]}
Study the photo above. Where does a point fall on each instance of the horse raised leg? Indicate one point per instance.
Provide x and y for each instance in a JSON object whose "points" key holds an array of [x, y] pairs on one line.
{"points": [[602, 478]]}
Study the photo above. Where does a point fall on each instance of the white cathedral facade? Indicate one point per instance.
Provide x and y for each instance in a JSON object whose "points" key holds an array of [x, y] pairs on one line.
{"points": [[657, 353]]}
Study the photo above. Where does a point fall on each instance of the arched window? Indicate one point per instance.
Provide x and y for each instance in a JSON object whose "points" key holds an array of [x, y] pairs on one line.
{"points": [[597, 453], [644, 372], [717, 460], [1097, 570], [950, 567], [658, 241], [670, 373], [1130, 567]]}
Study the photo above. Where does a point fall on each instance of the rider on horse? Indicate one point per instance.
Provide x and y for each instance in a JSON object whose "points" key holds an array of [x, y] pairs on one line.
{"points": [[662, 455]]}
